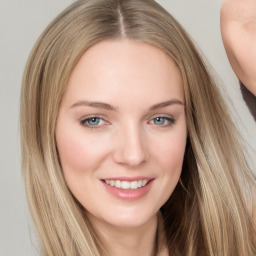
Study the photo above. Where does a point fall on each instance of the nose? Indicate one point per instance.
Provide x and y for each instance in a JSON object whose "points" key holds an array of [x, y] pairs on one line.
{"points": [[131, 147]]}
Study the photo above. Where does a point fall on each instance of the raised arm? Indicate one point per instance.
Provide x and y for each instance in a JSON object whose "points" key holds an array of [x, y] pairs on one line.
{"points": [[238, 27]]}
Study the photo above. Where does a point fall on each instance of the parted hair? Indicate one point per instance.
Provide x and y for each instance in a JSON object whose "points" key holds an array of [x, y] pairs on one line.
{"points": [[210, 210]]}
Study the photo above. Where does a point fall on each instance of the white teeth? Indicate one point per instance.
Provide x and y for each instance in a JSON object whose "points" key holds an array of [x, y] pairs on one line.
{"points": [[144, 182], [127, 184], [139, 183], [134, 185], [118, 184]]}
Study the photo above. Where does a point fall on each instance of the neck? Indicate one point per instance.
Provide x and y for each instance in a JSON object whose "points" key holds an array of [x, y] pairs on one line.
{"points": [[126, 241]]}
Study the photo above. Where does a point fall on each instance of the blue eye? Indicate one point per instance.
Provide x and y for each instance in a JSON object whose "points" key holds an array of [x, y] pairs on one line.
{"points": [[92, 122], [163, 121]]}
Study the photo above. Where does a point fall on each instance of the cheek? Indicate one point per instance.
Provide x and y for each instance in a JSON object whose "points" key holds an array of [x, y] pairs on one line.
{"points": [[78, 153], [71, 154], [171, 151], [169, 154], [80, 157]]}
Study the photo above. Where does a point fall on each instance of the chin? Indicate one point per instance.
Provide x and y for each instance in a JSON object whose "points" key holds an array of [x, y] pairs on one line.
{"points": [[129, 218]]}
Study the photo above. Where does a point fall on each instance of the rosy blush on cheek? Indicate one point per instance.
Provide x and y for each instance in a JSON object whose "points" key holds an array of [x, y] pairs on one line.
{"points": [[71, 155], [171, 152]]}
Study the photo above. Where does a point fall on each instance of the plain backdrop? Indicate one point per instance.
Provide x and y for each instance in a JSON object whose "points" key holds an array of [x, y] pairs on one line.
{"points": [[21, 23]]}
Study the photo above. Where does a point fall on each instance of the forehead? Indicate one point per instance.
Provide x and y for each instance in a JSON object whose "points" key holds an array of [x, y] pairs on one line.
{"points": [[125, 68]]}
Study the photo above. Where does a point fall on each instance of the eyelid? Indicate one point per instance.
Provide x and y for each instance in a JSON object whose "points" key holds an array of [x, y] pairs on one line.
{"points": [[83, 121], [171, 120]]}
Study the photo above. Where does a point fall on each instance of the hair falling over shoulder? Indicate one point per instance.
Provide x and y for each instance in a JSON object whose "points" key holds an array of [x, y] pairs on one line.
{"points": [[210, 211]]}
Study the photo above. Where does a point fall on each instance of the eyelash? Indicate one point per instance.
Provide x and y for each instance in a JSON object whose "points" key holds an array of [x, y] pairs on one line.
{"points": [[85, 123], [171, 121]]}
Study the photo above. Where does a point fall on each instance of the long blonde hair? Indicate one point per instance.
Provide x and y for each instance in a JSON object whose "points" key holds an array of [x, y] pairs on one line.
{"points": [[209, 213]]}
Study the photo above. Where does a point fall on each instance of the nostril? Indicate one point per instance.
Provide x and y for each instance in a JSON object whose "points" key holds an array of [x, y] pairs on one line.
{"points": [[130, 156]]}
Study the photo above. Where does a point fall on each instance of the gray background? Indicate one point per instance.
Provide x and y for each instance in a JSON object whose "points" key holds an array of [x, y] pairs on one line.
{"points": [[21, 22]]}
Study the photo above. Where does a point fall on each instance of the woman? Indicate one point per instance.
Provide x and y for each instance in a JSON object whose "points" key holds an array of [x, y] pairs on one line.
{"points": [[127, 145]]}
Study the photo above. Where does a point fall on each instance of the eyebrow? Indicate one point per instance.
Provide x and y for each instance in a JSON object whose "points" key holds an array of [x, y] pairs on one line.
{"points": [[106, 106], [94, 104], [166, 104]]}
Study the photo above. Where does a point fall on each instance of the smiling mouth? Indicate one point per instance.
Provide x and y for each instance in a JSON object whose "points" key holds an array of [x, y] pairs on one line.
{"points": [[127, 185]]}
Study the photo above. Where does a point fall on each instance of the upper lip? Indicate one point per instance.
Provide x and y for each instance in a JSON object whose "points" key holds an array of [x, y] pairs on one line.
{"points": [[129, 178]]}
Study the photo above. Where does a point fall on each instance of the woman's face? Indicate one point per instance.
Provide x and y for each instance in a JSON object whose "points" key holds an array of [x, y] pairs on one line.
{"points": [[121, 131]]}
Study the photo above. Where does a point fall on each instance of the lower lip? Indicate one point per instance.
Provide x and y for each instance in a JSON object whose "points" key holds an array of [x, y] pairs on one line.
{"points": [[128, 194]]}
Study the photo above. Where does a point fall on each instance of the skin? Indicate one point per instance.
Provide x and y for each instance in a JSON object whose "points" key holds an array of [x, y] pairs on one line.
{"points": [[238, 28], [126, 140]]}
